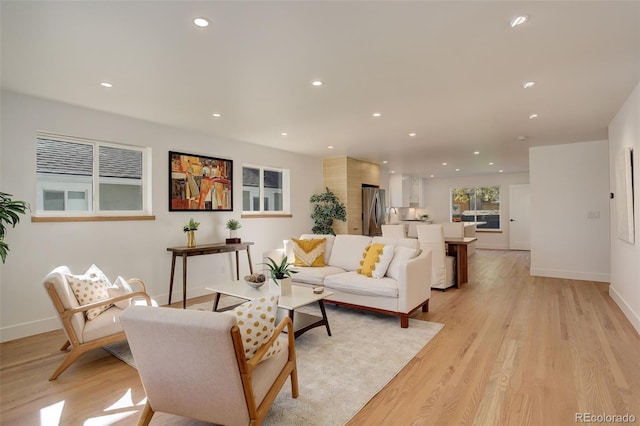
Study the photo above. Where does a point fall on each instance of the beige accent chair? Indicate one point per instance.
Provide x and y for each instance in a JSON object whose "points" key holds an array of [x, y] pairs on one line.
{"points": [[431, 237], [83, 335], [192, 364], [394, 231]]}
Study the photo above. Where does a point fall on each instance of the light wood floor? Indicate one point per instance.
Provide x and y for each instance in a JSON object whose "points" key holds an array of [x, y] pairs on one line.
{"points": [[515, 350]]}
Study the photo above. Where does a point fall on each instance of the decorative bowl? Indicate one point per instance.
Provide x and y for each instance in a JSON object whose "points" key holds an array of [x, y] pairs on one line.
{"points": [[255, 284]]}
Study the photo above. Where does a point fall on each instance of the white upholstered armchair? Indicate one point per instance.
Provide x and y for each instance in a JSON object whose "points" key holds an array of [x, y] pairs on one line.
{"points": [[83, 334], [192, 363]]}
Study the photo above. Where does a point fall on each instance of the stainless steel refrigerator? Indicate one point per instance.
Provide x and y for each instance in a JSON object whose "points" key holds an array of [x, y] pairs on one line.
{"points": [[373, 210]]}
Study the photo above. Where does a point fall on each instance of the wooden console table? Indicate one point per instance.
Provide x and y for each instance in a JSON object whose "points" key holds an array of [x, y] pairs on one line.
{"points": [[458, 249], [200, 250]]}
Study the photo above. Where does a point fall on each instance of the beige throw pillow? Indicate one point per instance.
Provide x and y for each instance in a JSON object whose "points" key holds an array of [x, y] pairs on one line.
{"points": [[256, 320], [90, 287], [120, 287]]}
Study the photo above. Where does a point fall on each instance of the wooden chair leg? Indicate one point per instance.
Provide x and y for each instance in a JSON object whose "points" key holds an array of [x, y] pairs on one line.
{"points": [[70, 358], [145, 416], [65, 346], [294, 383]]}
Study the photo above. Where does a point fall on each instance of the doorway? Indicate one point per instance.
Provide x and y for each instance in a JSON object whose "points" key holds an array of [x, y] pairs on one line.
{"points": [[519, 217]]}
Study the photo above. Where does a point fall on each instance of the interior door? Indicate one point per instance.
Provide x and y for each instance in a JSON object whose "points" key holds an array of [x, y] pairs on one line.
{"points": [[519, 217]]}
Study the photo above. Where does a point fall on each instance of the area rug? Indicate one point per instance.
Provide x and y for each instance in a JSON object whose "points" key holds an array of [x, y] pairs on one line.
{"points": [[339, 374]]}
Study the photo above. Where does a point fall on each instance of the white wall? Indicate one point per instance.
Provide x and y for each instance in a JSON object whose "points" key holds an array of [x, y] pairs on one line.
{"points": [[569, 184], [132, 248], [624, 131], [438, 202]]}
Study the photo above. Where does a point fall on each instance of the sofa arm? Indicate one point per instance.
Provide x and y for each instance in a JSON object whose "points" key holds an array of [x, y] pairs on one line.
{"points": [[414, 284]]}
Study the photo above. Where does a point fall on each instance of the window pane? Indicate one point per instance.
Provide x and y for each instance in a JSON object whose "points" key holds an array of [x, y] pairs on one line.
{"points": [[481, 204], [273, 190], [120, 182], [53, 201], [77, 200], [250, 189]]}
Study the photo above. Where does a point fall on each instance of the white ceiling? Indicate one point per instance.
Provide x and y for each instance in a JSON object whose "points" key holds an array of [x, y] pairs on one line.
{"points": [[449, 71]]}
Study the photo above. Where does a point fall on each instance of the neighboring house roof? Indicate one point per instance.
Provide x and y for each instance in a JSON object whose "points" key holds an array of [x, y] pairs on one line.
{"points": [[251, 177], [69, 158]]}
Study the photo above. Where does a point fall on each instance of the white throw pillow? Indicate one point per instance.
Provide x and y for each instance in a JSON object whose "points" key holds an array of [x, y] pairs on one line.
{"points": [[383, 262], [120, 287], [89, 288], [401, 255], [256, 320]]}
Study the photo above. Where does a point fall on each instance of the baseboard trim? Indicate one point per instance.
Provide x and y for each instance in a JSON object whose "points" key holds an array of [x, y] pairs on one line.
{"points": [[633, 317], [571, 275], [26, 329]]}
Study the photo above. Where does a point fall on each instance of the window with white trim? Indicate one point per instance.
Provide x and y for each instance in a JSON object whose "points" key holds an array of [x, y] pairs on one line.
{"points": [[265, 190], [478, 204], [83, 177]]}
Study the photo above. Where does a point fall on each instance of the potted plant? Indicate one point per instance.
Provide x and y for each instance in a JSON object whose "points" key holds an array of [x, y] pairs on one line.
{"points": [[281, 274], [326, 209], [233, 226], [9, 215], [190, 229]]}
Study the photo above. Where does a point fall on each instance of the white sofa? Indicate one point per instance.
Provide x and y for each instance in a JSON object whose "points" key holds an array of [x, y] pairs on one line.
{"points": [[405, 288]]}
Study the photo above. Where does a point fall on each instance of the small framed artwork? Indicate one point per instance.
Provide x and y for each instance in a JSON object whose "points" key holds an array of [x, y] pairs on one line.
{"points": [[199, 183]]}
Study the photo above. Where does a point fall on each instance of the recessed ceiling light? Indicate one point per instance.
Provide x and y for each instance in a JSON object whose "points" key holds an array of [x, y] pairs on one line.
{"points": [[491, 164], [376, 114], [317, 83], [432, 176], [385, 162], [522, 138], [392, 171], [518, 20], [412, 134], [106, 84], [534, 115], [444, 164], [476, 152], [284, 133], [217, 115], [500, 170], [330, 147], [528, 84], [201, 22], [457, 170]]}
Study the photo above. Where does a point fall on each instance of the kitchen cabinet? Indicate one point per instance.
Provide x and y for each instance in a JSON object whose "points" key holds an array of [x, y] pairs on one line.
{"points": [[345, 177], [406, 191]]}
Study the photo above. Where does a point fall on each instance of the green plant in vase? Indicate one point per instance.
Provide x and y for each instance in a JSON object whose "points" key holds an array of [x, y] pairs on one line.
{"points": [[233, 225], [327, 208], [280, 273], [190, 229]]}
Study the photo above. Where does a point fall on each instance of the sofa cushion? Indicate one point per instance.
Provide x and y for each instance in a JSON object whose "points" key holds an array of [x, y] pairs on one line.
{"points": [[314, 275], [376, 260], [347, 251], [120, 287], [354, 283], [400, 256], [308, 252]]}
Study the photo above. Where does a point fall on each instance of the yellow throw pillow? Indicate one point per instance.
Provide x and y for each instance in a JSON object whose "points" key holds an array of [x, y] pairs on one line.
{"points": [[256, 320], [370, 256], [308, 252]]}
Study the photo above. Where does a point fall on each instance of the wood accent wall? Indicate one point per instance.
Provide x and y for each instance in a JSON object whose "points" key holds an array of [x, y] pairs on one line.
{"points": [[345, 176]]}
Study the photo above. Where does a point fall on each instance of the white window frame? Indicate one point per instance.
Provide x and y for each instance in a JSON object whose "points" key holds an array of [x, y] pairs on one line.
{"points": [[94, 203], [286, 191]]}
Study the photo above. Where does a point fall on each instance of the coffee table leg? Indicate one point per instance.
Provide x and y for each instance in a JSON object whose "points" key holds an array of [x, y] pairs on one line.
{"points": [[215, 302], [324, 316]]}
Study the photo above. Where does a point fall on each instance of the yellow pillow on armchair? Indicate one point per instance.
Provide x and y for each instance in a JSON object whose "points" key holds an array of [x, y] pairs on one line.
{"points": [[308, 252]]}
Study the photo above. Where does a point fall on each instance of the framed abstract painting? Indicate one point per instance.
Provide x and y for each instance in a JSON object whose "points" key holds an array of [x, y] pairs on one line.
{"points": [[199, 183]]}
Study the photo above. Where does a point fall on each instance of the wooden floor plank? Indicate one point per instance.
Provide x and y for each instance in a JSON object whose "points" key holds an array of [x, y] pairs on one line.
{"points": [[515, 350]]}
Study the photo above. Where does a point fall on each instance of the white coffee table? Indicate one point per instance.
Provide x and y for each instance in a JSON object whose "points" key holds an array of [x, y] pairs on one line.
{"points": [[300, 296]]}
